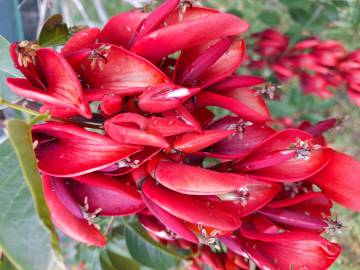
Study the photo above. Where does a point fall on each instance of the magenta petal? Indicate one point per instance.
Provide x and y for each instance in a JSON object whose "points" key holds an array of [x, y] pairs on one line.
{"points": [[170, 221], [63, 150], [194, 209]]}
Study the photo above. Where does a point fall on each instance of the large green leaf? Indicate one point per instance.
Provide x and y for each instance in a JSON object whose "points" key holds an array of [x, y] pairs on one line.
{"points": [[113, 261], [7, 69], [35, 243], [54, 32], [146, 251]]}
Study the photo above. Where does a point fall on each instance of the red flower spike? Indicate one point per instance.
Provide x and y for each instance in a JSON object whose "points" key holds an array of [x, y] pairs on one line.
{"points": [[132, 128], [112, 69], [207, 65], [76, 228], [303, 250], [80, 40], [155, 18], [167, 40], [164, 97], [115, 197], [193, 142], [112, 104], [62, 150], [237, 81], [339, 180], [194, 209], [120, 29], [63, 88], [170, 221], [244, 103], [207, 182]]}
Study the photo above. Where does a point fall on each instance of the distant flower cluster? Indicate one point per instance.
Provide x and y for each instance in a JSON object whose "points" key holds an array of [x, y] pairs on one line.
{"points": [[320, 65]]}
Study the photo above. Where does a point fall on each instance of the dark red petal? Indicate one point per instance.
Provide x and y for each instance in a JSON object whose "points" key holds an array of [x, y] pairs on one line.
{"points": [[170, 221], [132, 128], [340, 180], [194, 209], [63, 150], [193, 142], [80, 40], [115, 197], [76, 228], [165, 41], [121, 28], [119, 71], [321, 127], [206, 182], [242, 102], [238, 81]]}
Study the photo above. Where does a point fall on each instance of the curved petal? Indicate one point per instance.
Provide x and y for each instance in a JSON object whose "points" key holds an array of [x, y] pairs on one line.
{"points": [[243, 102], [237, 81], [170, 221], [167, 40], [115, 197], [194, 209], [80, 40], [206, 182], [120, 29], [118, 70], [132, 128], [67, 150], [339, 180], [289, 250], [76, 228]]}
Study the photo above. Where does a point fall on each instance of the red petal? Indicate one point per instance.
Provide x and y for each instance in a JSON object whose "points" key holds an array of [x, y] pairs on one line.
{"points": [[170, 221], [80, 40], [112, 104], [74, 227], [116, 197], [340, 180], [121, 28], [193, 142], [164, 97], [238, 81], [194, 209], [169, 126], [122, 70], [243, 102], [63, 86], [63, 150], [132, 128], [165, 41], [206, 182], [289, 250]]}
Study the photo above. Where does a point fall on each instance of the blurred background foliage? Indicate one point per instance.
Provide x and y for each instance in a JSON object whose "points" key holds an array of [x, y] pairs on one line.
{"points": [[326, 19]]}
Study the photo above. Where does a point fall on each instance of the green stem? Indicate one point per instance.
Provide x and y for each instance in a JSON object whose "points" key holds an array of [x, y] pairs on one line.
{"points": [[19, 108], [109, 226]]}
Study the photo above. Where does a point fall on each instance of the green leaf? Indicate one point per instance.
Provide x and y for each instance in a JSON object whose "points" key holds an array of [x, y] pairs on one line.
{"points": [[24, 239], [340, 3], [113, 261], [299, 15], [269, 17], [54, 32], [7, 69], [146, 251]]}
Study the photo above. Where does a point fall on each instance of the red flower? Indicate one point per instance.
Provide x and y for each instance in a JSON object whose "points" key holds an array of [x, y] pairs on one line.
{"points": [[146, 150]]}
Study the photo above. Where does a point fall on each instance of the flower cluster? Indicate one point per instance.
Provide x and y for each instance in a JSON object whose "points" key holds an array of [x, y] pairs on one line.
{"points": [[320, 65], [149, 144]]}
